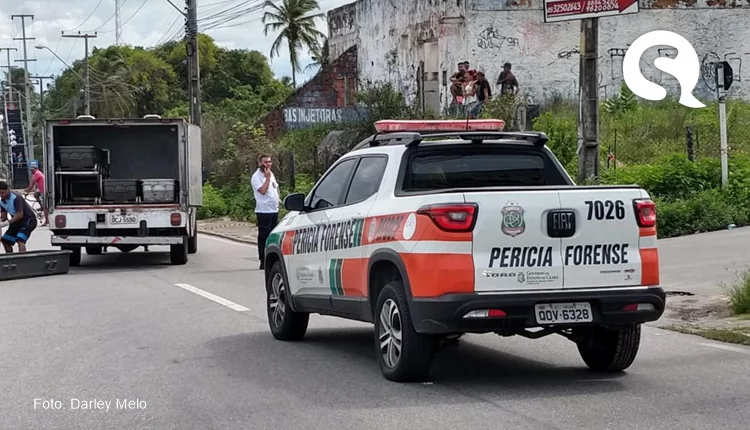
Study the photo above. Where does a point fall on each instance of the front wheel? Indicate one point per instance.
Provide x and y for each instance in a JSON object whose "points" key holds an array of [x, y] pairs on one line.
{"points": [[402, 354], [610, 350], [285, 323]]}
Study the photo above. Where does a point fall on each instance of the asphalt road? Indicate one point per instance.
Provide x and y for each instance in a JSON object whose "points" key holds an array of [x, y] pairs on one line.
{"points": [[120, 327]]}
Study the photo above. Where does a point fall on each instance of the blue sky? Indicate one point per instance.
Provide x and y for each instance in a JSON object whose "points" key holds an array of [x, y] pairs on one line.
{"points": [[236, 25]]}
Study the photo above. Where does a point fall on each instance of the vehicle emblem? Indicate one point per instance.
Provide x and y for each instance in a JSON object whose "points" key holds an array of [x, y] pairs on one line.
{"points": [[320, 274], [513, 223], [521, 278]]}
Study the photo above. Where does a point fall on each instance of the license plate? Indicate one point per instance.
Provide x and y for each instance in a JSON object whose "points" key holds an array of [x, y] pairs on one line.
{"points": [[563, 313], [123, 219]]}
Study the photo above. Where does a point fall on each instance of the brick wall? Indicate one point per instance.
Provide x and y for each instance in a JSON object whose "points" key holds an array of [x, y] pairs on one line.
{"points": [[334, 86]]}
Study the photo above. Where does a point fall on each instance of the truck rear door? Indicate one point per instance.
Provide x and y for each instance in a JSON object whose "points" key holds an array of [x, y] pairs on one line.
{"points": [[609, 247]]}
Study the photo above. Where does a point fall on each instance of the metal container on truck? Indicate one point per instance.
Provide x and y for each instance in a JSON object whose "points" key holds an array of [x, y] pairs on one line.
{"points": [[123, 183]]}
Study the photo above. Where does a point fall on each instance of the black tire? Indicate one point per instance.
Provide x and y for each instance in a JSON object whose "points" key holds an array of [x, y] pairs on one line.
{"points": [[178, 254], [417, 350], [93, 250], [75, 257], [192, 245], [610, 350], [285, 324]]}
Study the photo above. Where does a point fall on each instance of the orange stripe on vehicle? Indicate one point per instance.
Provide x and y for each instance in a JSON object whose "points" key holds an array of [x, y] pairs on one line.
{"points": [[354, 277], [649, 266], [287, 247], [647, 231], [432, 275]]}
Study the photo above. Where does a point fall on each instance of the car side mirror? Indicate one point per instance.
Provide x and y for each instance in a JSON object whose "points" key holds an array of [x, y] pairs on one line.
{"points": [[295, 202]]}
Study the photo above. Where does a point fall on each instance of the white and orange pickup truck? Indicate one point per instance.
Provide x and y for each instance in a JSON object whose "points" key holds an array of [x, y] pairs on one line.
{"points": [[433, 229]]}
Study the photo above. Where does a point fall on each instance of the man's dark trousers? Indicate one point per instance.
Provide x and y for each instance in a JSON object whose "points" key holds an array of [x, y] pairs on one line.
{"points": [[266, 223]]}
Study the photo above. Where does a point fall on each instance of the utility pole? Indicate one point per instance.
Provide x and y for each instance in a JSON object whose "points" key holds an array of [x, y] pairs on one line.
{"points": [[194, 76], [42, 117], [26, 59], [87, 91], [10, 72], [118, 24], [588, 113], [724, 77]]}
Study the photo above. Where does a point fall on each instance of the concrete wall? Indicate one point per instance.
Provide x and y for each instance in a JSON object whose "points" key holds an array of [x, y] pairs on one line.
{"points": [[334, 86], [392, 35], [342, 29], [545, 56]]}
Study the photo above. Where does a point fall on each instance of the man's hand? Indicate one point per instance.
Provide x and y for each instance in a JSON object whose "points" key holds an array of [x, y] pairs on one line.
{"points": [[267, 172]]}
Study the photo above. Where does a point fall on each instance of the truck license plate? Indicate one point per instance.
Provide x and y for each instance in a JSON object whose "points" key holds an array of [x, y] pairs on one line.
{"points": [[123, 219], [563, 313]]}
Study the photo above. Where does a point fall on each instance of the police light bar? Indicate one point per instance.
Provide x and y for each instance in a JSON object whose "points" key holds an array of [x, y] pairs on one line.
{"points": [[392, 125]]}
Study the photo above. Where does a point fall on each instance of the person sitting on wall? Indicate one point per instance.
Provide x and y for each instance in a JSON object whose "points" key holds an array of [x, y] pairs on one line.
{"points": [[20, 216]]}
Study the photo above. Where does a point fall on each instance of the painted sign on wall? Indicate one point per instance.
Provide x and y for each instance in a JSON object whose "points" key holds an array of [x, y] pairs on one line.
{"points": [[305, 117]]}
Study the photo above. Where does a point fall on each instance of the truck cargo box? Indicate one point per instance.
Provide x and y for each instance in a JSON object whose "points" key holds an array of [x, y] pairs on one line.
{"points": [[80, 157], [120, 190]]}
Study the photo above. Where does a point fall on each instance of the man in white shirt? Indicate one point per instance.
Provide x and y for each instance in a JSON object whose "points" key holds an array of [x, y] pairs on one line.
{"points": [[267, 200]]}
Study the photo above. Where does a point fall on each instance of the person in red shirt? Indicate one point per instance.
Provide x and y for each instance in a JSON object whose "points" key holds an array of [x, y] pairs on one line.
{"points": [[37, 180]]}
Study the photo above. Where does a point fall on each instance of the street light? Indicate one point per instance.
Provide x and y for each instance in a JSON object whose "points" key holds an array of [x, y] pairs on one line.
{"points": [[61, 60]]}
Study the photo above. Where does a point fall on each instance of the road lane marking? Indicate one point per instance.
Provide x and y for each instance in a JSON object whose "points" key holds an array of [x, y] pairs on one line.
{"points": [[220, 300], [726, 348]]}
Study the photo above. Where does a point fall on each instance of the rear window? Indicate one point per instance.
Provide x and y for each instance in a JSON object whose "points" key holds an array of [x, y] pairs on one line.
{"points": [[434, 171]]}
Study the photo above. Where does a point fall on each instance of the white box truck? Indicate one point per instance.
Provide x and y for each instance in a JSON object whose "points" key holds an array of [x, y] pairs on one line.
{"points": [[123, 183]]}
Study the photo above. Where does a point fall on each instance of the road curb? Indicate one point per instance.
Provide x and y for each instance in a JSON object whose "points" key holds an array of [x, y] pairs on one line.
{"points": [[228, 237]]}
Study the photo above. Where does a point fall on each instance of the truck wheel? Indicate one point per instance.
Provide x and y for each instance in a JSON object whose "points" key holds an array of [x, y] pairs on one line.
{"points": [[179, 253], [402, 353], [285, 324], [193, 243], [75, 257], [93, 250], [610, 350]]}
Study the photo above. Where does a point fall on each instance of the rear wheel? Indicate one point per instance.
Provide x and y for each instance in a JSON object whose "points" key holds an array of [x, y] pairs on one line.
{"points": [[610, 350], [285, 323], [93, 250], [402, 354], [178, 254], [193, 243]]}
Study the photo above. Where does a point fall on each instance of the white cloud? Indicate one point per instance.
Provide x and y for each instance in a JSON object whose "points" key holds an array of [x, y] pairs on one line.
{"points": [[156, 21]]}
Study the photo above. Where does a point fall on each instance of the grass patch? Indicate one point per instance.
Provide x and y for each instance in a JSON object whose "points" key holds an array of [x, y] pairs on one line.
{"points": [[738, 335], [739, 294]]}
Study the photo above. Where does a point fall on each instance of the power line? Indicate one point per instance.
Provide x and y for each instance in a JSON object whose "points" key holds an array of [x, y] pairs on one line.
{"points": [[127, 20], [108, 20], [88, 17]]}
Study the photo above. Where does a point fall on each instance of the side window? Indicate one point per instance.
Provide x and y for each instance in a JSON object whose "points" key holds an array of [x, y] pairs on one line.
{"points": [[366, 179], [328, 192]]}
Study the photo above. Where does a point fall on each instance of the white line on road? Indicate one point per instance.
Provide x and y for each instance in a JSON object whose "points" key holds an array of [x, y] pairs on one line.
{"points": [[215, 298], [726, 348]]}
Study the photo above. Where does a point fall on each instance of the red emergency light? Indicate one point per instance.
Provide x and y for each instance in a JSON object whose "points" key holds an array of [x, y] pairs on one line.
{"points": [[393, 125]]}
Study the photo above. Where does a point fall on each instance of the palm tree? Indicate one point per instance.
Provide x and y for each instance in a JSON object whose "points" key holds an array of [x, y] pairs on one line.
{"points": [[297, 28], [320, 56]]}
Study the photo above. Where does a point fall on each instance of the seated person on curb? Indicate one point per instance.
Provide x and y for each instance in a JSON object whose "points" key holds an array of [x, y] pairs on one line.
{"points": [[20, 216]]}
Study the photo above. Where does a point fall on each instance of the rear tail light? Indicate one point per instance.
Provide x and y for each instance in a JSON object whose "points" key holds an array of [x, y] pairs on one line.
{"points": [[60, 221], [175, 219], [486, 313], [454, 217], [635, 307], [645, 212]]}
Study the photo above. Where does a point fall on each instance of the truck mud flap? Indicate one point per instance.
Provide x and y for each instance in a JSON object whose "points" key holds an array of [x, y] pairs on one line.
{"points": [[32, 264]]}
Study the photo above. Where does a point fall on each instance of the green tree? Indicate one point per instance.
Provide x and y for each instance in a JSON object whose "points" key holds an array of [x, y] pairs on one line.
{"points": [[296, 26]]}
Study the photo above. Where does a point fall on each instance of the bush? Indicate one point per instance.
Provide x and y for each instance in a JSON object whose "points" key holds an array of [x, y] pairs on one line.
{"points": [[739, 294], [214, 205]]}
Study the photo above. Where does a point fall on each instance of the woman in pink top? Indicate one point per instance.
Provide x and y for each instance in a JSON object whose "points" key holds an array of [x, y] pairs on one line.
{"points": [[37, 179]]}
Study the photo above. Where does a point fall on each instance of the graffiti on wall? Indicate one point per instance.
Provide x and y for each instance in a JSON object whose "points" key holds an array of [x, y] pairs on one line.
{"points": [[490, 38], [708, 67]]}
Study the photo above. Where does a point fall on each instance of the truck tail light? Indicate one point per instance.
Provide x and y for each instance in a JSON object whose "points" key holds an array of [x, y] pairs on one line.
{"points": [[175, 219], [60, 221], [453, 217], [645, 212]]}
